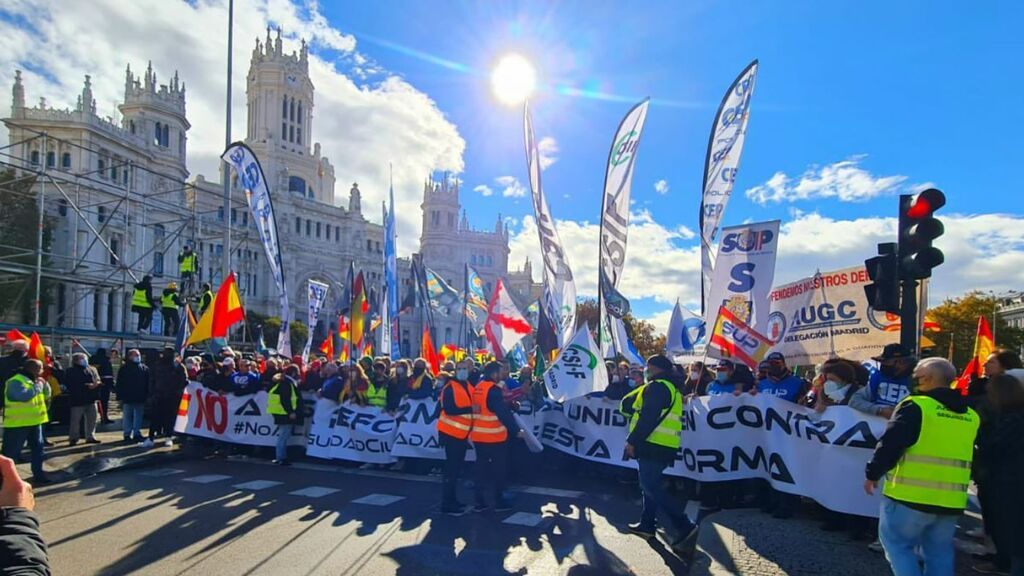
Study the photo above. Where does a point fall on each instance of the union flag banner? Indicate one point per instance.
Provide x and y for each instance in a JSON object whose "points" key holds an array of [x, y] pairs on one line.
{"points": [[732, 338]]}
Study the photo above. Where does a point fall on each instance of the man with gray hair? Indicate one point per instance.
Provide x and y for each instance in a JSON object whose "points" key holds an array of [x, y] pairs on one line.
{"points": [[925, 455], [11, 363]]}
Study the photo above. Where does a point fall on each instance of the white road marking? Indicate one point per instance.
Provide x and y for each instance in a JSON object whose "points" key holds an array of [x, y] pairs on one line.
{"points": [[378, 499], [524, 519], [257, 485], [158, 472], [314, 491], [207, 478]]}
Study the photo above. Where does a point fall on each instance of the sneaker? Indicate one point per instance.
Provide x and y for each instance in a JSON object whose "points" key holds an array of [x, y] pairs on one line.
{"points": [[147, 443], [989, 568], [93, 441], [72, 442], [169, 443], [284, 462], [876, 546], [641, 530], [453, 510]]}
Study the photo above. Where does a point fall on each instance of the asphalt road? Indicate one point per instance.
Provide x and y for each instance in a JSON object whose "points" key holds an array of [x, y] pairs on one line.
{"points": [[216, 517]]}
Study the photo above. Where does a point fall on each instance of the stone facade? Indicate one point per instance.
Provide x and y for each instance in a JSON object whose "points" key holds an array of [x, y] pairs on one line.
{"points": [[141, 202]]}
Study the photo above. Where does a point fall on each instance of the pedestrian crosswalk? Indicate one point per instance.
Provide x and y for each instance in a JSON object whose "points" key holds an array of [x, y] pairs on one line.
{"points": [[257, 485], [314, 492], [206, 478]]}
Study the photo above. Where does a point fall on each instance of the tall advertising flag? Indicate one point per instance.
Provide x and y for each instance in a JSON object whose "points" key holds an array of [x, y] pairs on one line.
{"points": [[725, 146], [391, 281], [559, 287], [250, 176], [317, 296]]}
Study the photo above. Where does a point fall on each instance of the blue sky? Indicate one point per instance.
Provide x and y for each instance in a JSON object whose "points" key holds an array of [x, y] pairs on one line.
{"points": [[855, 103]]}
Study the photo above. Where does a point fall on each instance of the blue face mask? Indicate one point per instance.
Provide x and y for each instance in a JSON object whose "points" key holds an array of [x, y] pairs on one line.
{"points": [[721, 376]]}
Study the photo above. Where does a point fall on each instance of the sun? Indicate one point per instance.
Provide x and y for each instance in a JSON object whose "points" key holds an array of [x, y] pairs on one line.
{"points": [[513, 79]]}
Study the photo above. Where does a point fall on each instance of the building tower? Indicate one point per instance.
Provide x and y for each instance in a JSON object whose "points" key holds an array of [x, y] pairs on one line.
{"points": [[439, 236], [156, 114], [280, 121]]}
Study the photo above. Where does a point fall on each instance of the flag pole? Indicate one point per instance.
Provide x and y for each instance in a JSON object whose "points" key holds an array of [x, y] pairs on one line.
{"points": [[465, 304]]}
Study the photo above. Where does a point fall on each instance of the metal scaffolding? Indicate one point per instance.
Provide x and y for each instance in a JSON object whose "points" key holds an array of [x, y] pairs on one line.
{"points": [[150, 221]]}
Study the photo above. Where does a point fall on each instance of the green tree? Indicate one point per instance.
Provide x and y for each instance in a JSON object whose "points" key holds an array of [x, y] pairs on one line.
{"points": [[18, 244], [645, 337], [957, 319]]}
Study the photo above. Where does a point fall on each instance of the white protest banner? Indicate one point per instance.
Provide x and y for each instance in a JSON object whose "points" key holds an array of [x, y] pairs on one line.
{"points": [[317, 295], [827, 315], [796, 449], [744, 272], [350, 432], [578, 370], [239, 419]]}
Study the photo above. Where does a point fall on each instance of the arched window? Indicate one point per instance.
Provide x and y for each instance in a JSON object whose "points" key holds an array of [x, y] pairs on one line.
{"points": [[35, 157], [158, 135], [297, 185], [298, 115], [167, 136], [284, 108], [291, 110], [51, 159], [65, 161]]}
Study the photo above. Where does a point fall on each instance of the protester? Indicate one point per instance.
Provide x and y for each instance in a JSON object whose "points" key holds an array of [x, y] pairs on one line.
{"points": [[453, 431], [169, 380], [1000, 453], [53, 375], [101, 362], [333, 382], [493, 425], [925, 454], [245, 382], [83, 383], [22, 548], [188, 267], [783, 384], [143, 303], [655, 412], [397, 386], [697, 379], [888, 385], [357, 388], [618, 382], [838, 384], [420, 384], [24, 416], [11, 363], [284, 403], [132, 391], [205, 298], [730, 378]]}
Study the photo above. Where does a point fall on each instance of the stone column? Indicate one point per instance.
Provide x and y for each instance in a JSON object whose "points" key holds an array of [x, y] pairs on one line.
{"points": [[119, 296], [102, 308]]}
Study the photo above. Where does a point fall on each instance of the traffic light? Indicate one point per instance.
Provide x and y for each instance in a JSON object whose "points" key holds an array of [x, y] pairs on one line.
{"points": [[884, 293], [918, 228]]}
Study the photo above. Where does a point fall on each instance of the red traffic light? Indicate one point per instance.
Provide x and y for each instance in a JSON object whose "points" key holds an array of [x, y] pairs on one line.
{"points": [[926, 203]]}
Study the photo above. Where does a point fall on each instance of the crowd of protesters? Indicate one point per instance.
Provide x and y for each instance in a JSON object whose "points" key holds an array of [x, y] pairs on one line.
{"points": [[997, 399]]}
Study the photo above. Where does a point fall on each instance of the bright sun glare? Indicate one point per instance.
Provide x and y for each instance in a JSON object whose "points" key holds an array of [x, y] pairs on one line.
{"points": [[513, 79]]}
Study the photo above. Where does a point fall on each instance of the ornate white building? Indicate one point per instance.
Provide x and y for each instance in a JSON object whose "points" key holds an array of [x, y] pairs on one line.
{"points": [[130, 188]]}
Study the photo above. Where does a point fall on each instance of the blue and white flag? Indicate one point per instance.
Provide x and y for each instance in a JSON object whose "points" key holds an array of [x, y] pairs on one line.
{"points": [[623, 343], [720, 166], [390, 345], [685, 331], [251, 178], [317, 297]]}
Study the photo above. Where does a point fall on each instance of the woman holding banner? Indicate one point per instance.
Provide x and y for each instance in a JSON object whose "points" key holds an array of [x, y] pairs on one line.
{"points": [[284, 403], [453, 428]]}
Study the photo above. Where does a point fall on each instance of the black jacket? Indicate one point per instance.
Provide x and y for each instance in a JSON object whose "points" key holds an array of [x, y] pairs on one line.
{"points": [[104, 368], [169, 380], [133, 383], [657, 399], [77, 379], [902, 432], [11, 364], [448, 399], [22, 549], [496, 404], [1000, 449]]}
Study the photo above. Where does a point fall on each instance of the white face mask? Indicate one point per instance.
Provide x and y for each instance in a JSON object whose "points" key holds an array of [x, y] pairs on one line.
{"points": [[694, 375], [834, 390]]}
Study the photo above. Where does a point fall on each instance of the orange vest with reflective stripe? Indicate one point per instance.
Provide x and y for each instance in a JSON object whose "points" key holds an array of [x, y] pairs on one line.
{"points": [[456, 425], [486, 426]]}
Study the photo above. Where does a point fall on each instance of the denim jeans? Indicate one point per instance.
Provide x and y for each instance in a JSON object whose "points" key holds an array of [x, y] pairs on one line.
{"points": [[655, 497], [14, 441], [284, 433], [131, 420], [901, 529]]}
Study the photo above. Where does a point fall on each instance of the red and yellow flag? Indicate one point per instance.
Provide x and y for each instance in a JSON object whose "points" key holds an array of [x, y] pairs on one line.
{"points": [[735, 339], [343, 356], [428, 352], [327, 346], [225, 310], [13, 335], [36, 349], [360, 306], [984, 345]]}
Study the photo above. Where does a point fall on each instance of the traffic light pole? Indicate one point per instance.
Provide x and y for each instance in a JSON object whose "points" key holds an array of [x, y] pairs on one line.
{"points": [[908, 315]]}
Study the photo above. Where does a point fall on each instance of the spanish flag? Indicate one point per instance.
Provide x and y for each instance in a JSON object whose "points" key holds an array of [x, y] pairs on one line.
{"points": [[735, 339], [225, 310], [36, 349], [984, 345], [357, 314], [428, 352], [13, 335], [327, 346]]}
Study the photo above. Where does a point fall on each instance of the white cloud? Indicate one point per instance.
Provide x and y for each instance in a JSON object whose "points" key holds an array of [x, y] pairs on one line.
{"points": [[511, 186], [547, 147], [361, 124], [484, 190], [844, 180], [661, 187]]}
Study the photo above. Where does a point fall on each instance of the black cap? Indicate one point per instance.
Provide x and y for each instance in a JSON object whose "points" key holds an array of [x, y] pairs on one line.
{"points": [[660, 361], [776, 356], [893, 351], [725, 365]]}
